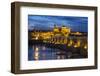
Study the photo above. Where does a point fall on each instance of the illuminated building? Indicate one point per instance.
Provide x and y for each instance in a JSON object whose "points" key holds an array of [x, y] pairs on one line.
{"points": [[65, 31], [61, 35], [56, 30]]}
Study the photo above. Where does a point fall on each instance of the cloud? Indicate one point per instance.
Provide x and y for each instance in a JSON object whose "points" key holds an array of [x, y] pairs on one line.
{"points": [[44, 22]]}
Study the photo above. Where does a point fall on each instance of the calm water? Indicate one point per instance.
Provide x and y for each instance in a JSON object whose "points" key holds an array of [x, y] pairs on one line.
{"points": [[39, 52]]}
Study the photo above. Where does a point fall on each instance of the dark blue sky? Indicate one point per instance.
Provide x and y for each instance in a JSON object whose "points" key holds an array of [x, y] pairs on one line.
{"points": [[44, 22]]}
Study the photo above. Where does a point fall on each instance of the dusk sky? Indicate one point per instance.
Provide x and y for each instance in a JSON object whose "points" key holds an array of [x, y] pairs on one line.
{"points": [[47, 22]]}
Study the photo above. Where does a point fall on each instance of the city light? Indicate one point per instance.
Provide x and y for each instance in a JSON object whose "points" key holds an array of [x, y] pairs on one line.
{"points": [[59, 35]]}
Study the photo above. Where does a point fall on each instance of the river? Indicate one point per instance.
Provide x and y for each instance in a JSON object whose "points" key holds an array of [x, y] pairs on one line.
{"points": [[41, 52]]}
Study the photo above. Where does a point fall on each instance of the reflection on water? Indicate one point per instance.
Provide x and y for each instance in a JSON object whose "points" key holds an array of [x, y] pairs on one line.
{"points": [[38, 52]]}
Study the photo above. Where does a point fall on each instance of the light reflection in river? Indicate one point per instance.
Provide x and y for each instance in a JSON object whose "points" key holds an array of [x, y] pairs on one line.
{"points": [[38, 52]]}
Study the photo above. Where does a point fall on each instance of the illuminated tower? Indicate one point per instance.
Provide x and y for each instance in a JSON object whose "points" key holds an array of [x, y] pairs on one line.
{"points": [[65, 31], [56, 29]]}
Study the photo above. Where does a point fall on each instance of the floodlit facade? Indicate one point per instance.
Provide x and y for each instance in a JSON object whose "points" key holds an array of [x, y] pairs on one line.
{"points": [[61, 35]]}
